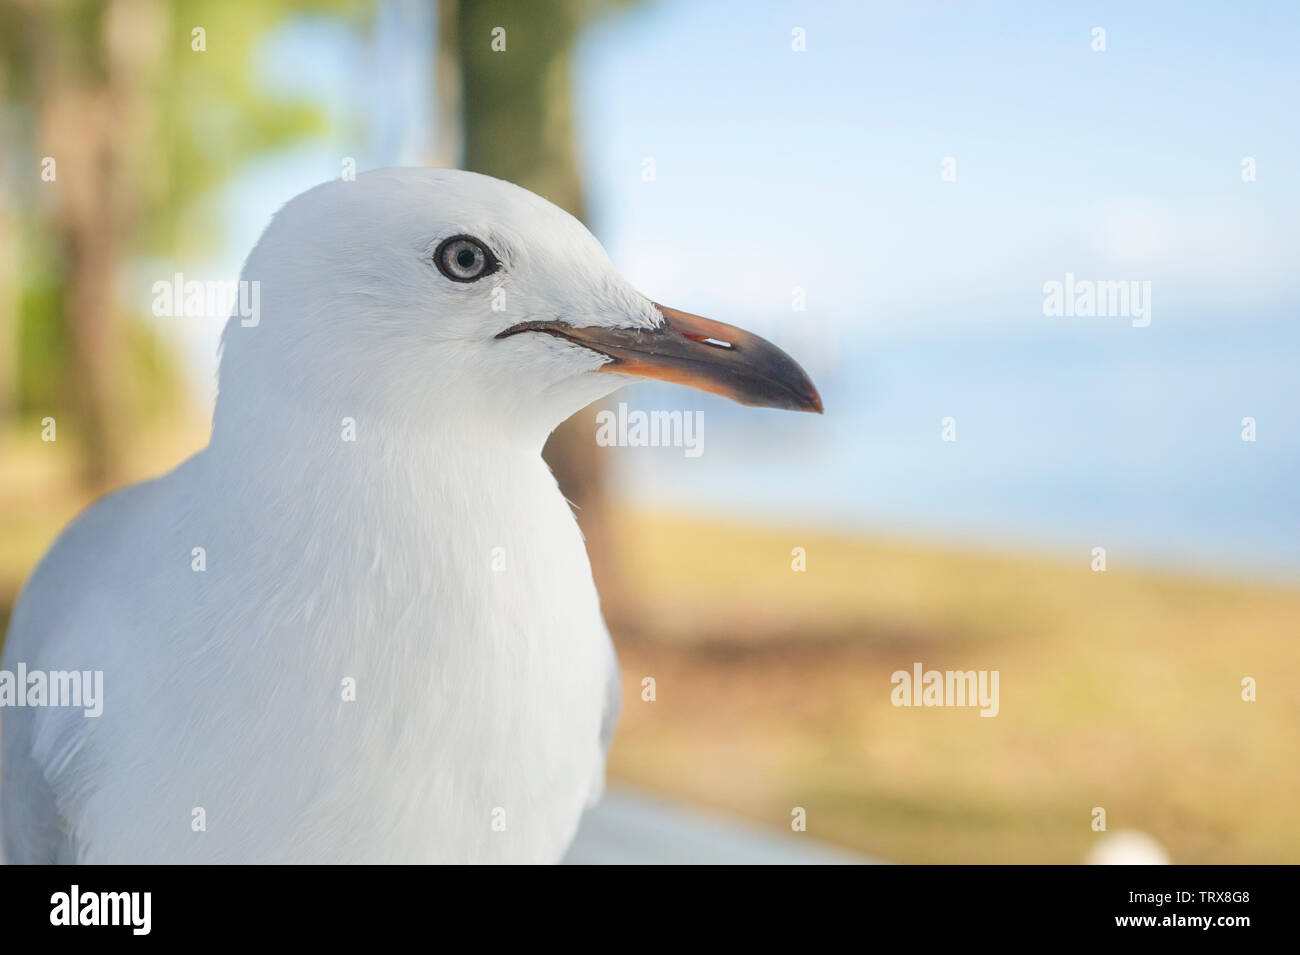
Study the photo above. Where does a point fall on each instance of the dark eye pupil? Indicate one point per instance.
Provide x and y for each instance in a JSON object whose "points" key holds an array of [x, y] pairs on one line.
{"points": [[462, 258]]}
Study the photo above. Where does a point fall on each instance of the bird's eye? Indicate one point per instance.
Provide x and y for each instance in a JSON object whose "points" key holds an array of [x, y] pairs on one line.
{"points": [[463, 258]]}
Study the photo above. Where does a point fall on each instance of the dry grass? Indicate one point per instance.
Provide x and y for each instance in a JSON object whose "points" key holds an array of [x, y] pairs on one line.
{"points": [[1119, 690]]}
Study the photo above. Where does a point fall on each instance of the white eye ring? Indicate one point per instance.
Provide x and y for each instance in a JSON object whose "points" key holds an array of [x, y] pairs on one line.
{"points": [[463, 258]]}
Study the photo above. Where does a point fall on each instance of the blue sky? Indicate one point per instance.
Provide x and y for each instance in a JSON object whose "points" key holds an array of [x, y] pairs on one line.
{"points": [[820, 169], [1066, 158]]}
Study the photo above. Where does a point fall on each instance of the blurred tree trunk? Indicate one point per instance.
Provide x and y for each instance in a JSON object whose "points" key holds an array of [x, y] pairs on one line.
{"points": [[10, 296], [93, 111], [449, 144], [77, 136], [516, 119]]}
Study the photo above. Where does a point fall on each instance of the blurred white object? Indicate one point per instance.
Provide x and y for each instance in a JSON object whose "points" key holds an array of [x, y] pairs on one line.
{"points": [[635, 829], [1127, 847]]}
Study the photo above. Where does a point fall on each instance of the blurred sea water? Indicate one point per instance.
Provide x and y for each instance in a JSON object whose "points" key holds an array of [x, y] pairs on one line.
{"points": [[1068, 437]]}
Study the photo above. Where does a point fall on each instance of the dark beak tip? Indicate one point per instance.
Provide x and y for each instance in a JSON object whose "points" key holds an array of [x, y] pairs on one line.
{"points": [[812, 402], [810, 398]]}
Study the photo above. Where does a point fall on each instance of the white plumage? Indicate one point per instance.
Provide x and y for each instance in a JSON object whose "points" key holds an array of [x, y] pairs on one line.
{"points": [[431, 561]]}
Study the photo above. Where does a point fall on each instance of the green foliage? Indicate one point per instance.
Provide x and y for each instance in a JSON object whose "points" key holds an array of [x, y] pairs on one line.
{"points": [[215, 115], [191, 119], [42, 348]]}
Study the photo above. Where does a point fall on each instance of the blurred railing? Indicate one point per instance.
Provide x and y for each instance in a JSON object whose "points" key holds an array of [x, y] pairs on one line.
{"points": [[629, 828]]}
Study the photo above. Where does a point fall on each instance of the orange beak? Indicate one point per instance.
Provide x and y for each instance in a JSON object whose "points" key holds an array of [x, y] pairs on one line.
{"points": [[696, 352]]}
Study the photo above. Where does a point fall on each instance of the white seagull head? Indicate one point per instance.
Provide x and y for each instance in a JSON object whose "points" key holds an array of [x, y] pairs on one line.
{"points": [[416, 293]]}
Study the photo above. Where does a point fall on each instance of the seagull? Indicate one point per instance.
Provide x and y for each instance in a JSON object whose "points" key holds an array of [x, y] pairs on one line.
{"points": [[360, 625]]}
